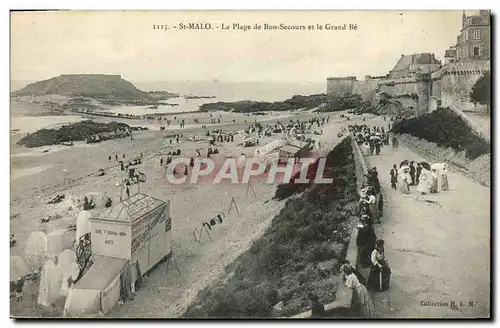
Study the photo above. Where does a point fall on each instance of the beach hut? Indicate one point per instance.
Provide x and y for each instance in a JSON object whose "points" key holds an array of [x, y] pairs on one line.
{"points": [[127, 241], [49, 291], [82, 224], [294, 149], [18, 268], [66, 263]]}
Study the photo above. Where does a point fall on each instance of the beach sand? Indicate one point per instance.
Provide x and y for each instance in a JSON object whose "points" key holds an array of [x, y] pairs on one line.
{"points": [[72, 171]]}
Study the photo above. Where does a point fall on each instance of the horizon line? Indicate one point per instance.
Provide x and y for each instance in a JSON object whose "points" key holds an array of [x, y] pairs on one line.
{"points": [[180, 80]]}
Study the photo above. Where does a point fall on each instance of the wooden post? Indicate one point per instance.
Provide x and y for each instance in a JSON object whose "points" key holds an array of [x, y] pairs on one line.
{"points": [[249, 187], [231, 206], [170, 260], [208, 233]]}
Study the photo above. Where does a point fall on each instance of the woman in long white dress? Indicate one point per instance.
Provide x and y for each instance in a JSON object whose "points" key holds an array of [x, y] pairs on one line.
{"points": [[362, 295], [404, 179], [424, 181]]}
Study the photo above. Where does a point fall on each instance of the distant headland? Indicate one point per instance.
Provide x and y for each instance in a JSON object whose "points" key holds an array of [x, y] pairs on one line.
{"points": [[109, 88]]}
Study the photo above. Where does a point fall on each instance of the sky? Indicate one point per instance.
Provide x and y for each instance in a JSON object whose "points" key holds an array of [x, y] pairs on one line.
{"points": [[48, 44]]}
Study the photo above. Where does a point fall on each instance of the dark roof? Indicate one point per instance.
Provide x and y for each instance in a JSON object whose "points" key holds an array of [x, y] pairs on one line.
{"points": [[130, 209], [406, 60]]}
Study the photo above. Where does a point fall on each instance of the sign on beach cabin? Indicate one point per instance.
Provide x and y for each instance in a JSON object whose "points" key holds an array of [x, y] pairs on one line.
{"points": [[110, 239], [131, 229]]}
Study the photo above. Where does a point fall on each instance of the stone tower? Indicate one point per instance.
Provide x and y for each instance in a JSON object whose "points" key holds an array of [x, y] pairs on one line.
{"points": [[423, 90]]}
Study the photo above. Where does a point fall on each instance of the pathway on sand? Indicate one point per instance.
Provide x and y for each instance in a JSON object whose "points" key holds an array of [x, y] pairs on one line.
{"points": [[438, 251]]}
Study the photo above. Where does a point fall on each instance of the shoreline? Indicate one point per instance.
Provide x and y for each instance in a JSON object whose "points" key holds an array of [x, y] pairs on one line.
{"points": [[30, 193]]}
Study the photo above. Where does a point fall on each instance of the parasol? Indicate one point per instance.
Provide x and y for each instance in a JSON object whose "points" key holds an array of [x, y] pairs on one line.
{"points": [[425, 165], [82, 224], [403, 163], [404, 168], [439, 166]]}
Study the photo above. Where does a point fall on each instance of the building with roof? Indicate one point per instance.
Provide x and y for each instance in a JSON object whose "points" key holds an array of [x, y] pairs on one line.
{"points": [[474, 39], [127, 240], [408, 65], [450, 55], [294, 149]]}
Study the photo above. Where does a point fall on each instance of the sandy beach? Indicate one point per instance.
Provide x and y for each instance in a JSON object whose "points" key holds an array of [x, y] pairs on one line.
{"points": [[38, 174]]}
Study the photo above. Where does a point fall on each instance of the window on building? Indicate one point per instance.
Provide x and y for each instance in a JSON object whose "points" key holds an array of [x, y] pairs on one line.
{"points": [[466, 36], [477, 35], [477, 51]]}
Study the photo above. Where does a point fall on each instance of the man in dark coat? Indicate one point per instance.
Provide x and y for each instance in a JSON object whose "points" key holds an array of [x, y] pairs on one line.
{"points": [[412, 172], [417, 176], [394, 177]]}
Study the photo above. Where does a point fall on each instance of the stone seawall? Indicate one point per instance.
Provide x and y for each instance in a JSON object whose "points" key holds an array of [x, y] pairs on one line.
{"points": [[344, 297]]}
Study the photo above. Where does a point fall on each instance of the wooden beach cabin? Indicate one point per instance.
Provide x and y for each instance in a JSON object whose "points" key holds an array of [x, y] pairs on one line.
{"points": [[293, 149], [127, 240]]}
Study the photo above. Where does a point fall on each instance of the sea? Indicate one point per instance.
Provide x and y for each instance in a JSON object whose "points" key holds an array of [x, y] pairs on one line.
{"points": [[220, 91]]}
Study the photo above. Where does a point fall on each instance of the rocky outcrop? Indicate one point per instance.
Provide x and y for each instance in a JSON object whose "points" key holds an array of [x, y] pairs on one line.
{"points": [[296, 102], [384, 104], [74, 132], [86, 85]]}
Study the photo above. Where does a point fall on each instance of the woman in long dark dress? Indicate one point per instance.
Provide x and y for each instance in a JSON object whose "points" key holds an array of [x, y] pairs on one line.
{"points": [[365, 241], [380, 273]]}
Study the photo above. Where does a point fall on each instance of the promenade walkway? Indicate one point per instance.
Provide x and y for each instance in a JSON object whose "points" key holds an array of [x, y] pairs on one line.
{"points": [[438, 246]]}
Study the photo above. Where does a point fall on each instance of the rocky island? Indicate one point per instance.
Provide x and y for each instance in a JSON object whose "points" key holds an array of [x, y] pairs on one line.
{"points": [[93, 91]]}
